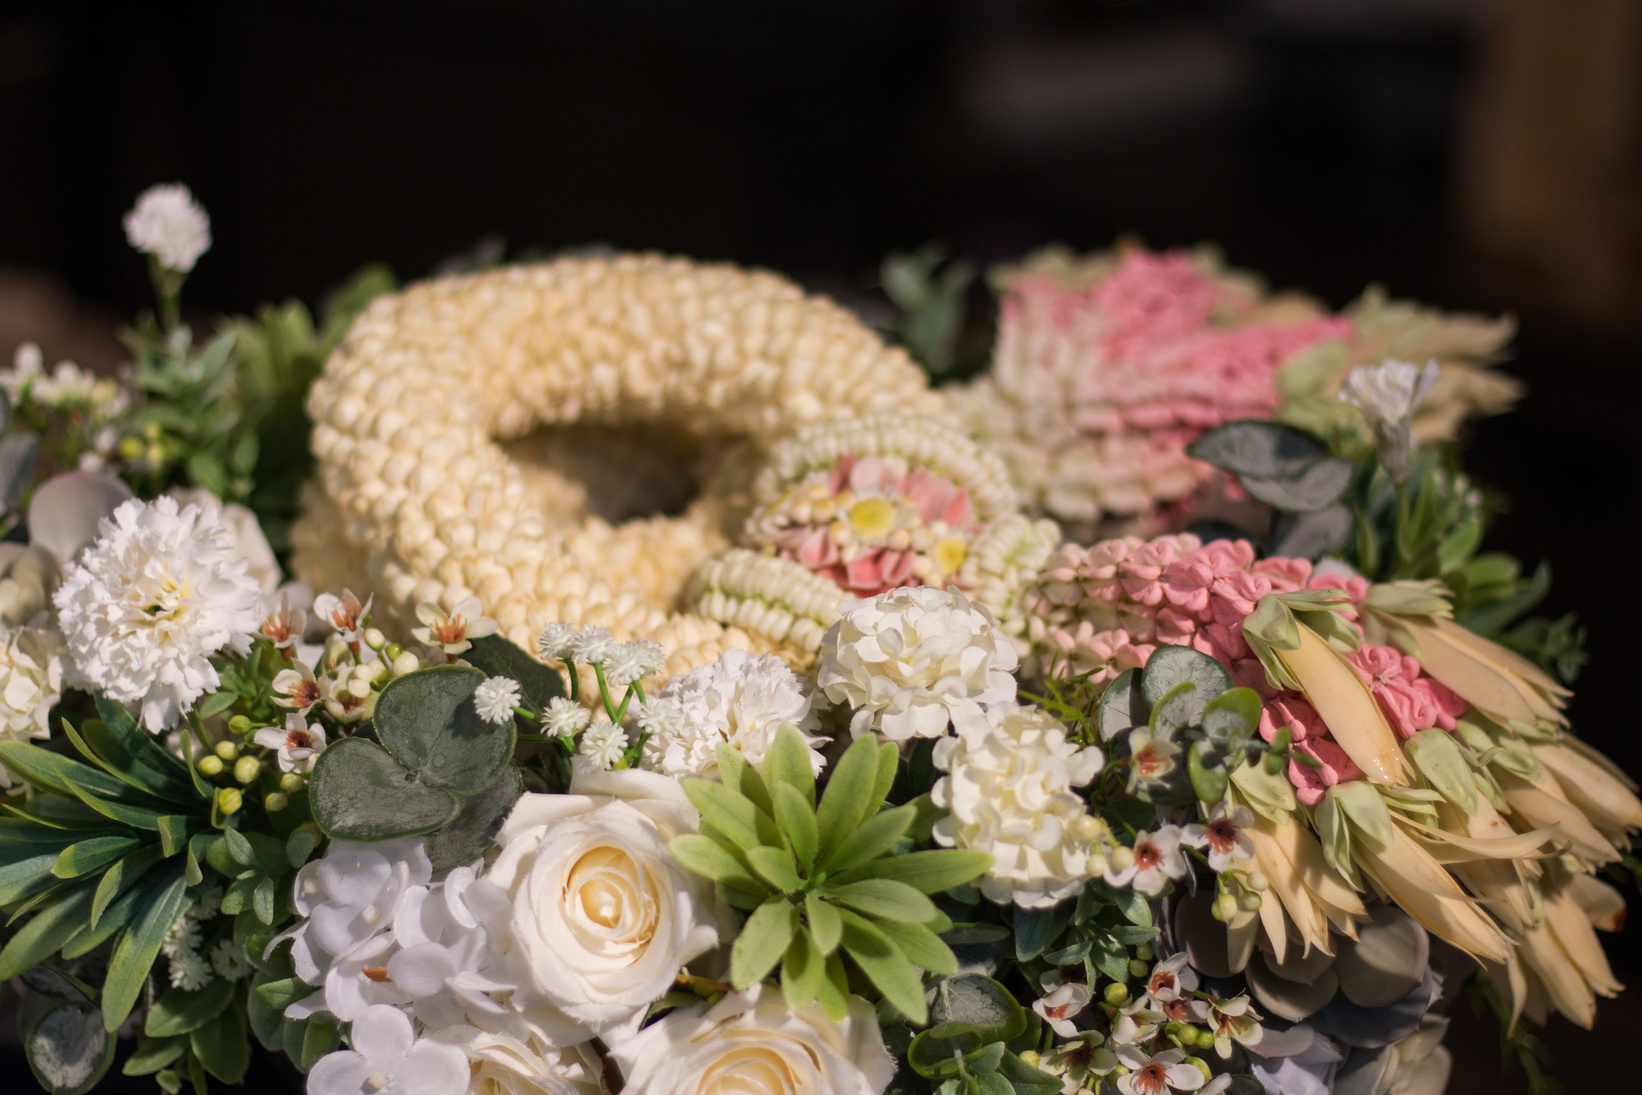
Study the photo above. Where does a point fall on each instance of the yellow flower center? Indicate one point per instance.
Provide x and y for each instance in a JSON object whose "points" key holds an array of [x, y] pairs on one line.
{"points": [[872, 518], [950, 554]]}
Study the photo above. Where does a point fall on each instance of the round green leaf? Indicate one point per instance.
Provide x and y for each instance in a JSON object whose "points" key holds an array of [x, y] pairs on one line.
{"points": [[1252, 447], [65, 1043], [428, 722], [1313, 489], [1174, 665], [473, 830], [359, 792]]}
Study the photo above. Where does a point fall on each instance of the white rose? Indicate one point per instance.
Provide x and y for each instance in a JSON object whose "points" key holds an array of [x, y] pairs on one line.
{"points": [[588, 911], [913, 660], [752, 1043], [503, 1065]]}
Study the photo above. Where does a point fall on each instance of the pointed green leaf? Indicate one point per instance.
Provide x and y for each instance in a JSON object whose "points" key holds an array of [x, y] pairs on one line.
{"points": [[178, 1012], [795, 817], [58, 774], [90, 856], [152, 1055], [134, 954], [928, 872], [872, 838], [175, 829], [117, 737], [222, 1047], [239, 848], [826, 926], [885, 966], [736, 773], [710, 859], [114, 918], [732, 813], [802, 970], [121, 876], [788, 762], [763, 940], [300, 845], [25, 877], [884, 898], [848, 797], [317, 1040], [921, 946], [46, 932], [775, 866], [834, 994], [889, 760]]}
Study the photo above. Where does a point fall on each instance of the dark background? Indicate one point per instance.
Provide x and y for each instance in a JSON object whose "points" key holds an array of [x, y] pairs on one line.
{"points": [[1473, 154]]}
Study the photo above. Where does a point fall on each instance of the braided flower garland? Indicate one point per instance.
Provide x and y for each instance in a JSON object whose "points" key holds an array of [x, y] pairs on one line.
{"points": [[419, 499]]}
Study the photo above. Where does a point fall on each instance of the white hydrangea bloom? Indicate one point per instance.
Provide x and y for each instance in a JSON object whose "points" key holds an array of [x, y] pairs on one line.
{"points": [[912, 660], [169, 224], [1009, 792], [495, 699], [349, 896], [741, 700], [388, 1057], [145, 607], [31, 683]]}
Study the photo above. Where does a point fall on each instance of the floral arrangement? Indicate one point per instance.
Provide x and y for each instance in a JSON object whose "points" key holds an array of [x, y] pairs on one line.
{"points": [[850, 777]]}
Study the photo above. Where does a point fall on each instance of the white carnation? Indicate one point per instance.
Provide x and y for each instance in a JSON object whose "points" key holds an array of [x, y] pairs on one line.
{"points": [[756, 1039], [1010, 792], [145, 607], [245, 537], [169, 224], [912, 660], [741, 700], [31, 683], [1388, 392]]}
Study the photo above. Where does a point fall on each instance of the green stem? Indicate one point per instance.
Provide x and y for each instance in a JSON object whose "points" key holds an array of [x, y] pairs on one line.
{"points": [[604, 693]]}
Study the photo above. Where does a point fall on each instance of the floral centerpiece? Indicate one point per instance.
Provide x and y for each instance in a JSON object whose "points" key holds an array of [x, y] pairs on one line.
{"points": [[852, 774]]}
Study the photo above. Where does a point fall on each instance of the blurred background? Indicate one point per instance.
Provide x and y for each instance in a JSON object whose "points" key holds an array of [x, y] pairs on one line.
{"points": [[1475, 154]]}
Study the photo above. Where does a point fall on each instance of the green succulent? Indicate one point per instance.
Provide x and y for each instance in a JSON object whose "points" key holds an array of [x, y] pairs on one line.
{"points": [[825, 880]]}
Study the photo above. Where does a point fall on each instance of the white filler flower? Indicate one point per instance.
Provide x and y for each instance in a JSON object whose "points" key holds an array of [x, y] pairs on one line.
{"points": [[495, 699], [147, 605], [753, 1042], [387, 1057], [1387, 394], [1009, 791], [170, 225], [741, 700], [913, 660]]}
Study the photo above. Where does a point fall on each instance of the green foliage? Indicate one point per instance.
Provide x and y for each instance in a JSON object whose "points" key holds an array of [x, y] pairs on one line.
{"points": [[1517, 1042], [1291, 471], [435, 753], [828, 879], [932, 296], [64, 1040], [539, 684]]}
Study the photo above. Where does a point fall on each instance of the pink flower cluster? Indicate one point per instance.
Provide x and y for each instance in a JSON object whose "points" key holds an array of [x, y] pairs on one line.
{"points": [[914, 530], [1103, 609], [1103, 386]]}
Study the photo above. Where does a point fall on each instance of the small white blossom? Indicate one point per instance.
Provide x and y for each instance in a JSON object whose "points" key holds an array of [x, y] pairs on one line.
{"points": [[632, 661], [556, 641], [1062, 1002], [603, 744], [296, 688], [659, 715], [387, 1057], [741, 700], [344, 613], [169, 224], [208, 900], [1171, 981], [1166, 1072], [1151, 759], [912, 660], [453, 631], [297, 745], [147, 605], [1234, 1020], [1387, 394], [1155, 859], [189, 971], [230, 960], [495, 699], [1009, 791], [564, 717], [592, 644], [182, 935], [1223, 835]]}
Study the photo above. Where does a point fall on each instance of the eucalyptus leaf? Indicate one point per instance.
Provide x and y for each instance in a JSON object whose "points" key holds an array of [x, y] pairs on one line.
{"points": [[427, 721], [65, 1044], [472, 832], [1254, 447], [1170, 666], [359, 792], [1122, 706], [1316, 488], [1311, 535], [539, 684]]}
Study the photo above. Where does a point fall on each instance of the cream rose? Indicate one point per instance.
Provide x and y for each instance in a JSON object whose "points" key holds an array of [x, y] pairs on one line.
{"points": [[587, 909], [752, 1043], [502, 1065]]}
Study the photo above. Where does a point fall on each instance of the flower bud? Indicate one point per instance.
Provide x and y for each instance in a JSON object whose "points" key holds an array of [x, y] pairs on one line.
{"points": [[1123, 857], [247, 769], [276, 802], [359, 689], [405, 663], [228, 750], [1225, 907], [1145, 952], [229, 800], [1205, 1040], [1030, 1057], [292, 782], [1137, 968], [1198, 1062], [1117, 994], [1087, 829], [130, 448], [1249, 901], [239, 725], [1257, 882], [391, 652], [209, 765], [375, 639]]}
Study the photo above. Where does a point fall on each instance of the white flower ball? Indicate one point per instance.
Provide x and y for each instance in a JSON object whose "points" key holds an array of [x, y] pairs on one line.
{"points": [[31, 684], [740, 700], [169, 224], [912, 660], [752, 1043], [145, 607], [1009, 792]]}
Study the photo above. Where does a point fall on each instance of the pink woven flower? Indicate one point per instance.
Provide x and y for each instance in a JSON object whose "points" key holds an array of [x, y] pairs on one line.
{"points": [[1411, 702], [1310, 784]]}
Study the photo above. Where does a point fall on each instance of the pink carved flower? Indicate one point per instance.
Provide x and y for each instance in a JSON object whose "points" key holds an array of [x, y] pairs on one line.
{"points": [[1310, 784], [1292, 711]]}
